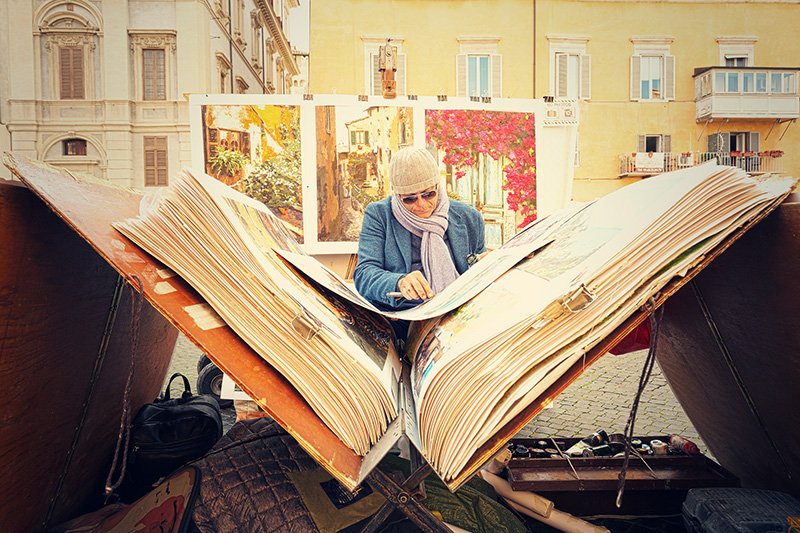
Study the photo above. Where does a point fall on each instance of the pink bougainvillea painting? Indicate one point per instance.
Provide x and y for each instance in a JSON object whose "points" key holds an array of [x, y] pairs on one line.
{"points": [[490, 162]]}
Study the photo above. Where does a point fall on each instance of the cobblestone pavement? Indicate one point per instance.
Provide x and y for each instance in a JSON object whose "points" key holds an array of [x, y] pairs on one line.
{"points": [[599, 399]]}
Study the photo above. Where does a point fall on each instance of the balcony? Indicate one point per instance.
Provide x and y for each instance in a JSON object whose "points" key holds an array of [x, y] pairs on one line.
{"points": [[746, 93], [644, 164]]}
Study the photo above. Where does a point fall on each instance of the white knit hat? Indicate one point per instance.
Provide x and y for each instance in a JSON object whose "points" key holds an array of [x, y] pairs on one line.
{"points": [[413, 169]]}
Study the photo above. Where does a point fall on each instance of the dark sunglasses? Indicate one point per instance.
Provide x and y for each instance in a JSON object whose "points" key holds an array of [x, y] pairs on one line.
{"points": [[427, 195]]}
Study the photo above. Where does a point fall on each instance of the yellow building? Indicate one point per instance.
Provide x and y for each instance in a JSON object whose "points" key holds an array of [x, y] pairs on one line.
{"points": [[661, 84]]}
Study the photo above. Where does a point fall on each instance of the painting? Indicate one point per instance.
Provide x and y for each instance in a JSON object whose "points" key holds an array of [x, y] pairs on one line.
{"points": [[489, 158], [256, 150], [354, 146]]}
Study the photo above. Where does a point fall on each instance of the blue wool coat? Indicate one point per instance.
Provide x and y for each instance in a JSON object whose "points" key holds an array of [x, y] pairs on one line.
{"points": [[384, 249]]}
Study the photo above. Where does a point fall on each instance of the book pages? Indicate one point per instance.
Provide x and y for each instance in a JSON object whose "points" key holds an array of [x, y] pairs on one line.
{"points": [[488, 360], [341, 360]]}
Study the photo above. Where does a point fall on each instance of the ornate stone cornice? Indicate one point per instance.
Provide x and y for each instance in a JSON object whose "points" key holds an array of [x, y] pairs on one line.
{"points": [[152, 39], [54, 41]]}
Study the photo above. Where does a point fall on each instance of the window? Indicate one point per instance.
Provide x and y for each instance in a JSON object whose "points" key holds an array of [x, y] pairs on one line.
{"points": [[783, 82], [72, 147], [359, 137], [478, 75], [652, 69], [153, 64], [734, 141], [761, 82], [479, 68], [736, 51], [735, 61], [154, 74], [155, 161], [70, 61], [570, 66], [224, 69], [654, 143], [652, 75], [572, 75]]}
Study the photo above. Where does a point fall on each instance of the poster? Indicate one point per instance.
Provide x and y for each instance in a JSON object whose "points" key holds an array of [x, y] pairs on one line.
{"points": [[318, 160]]}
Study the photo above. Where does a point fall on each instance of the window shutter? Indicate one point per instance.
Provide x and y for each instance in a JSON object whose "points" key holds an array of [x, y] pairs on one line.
{"points": [[586, 77], [719, 142], [70, 60], [377, 85], [669, 77], [497, 75], [641, 143], [636, 75], [461, 75], [65, 72], [400, 75], [561, 74], [149, 162], [77, 73], [666, 143], [754, 138], [155, 161]]}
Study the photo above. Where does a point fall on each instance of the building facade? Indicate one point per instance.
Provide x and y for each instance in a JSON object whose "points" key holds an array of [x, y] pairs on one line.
{"points": [[661, 84], [101, 87]]}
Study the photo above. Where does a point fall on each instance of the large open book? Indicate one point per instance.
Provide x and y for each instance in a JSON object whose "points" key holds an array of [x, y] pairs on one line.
{"points": [[489, 344], [485, 354]]}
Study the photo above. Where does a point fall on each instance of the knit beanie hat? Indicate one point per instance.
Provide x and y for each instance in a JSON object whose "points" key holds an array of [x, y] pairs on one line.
{"points": [[413, 169]]}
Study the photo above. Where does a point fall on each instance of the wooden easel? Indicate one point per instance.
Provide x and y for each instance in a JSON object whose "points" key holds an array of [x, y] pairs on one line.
{"points": [[406, 497]]}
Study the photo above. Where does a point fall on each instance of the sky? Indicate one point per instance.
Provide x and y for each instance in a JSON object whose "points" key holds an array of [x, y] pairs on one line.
{"points": [[298, 26]]}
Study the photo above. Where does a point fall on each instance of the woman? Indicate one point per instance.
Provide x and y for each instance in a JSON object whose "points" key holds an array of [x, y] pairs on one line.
{"points": [[417, 241]]}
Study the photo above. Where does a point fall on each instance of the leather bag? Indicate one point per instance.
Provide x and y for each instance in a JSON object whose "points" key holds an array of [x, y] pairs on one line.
{"points": [[168, 433]]}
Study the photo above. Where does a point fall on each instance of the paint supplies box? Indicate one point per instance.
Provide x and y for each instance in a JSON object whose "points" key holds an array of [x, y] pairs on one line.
{"points": [[588, 484]]}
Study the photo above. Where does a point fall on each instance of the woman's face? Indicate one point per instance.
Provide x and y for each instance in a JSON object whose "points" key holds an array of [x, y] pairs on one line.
{"points": [[422, 203]]}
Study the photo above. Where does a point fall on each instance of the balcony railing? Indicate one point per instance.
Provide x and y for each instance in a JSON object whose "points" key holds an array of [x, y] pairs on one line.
{"points": [[651, 163], [746, 92]]}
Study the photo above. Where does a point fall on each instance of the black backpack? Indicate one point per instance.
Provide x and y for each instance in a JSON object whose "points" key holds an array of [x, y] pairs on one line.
{"points": [[168, 433]]}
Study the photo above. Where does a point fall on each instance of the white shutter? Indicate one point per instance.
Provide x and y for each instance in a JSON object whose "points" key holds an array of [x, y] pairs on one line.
{"points": [[586, 77], [666, 143], [400, 75], [461, 75], [726, 142], [636, 75], [377, 83], [754, 141], [669, 77], [497, 75], [641, 143], [561, 74]]}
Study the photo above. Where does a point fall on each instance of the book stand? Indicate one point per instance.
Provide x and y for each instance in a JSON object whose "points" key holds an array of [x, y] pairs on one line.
{"points": [[405, 497]]}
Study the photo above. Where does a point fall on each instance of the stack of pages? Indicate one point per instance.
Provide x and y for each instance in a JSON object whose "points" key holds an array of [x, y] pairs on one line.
{"points": [[482, 350]]}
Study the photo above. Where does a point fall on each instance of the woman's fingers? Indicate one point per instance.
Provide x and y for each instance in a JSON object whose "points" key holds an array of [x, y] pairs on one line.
{"points": [[414, 286]]}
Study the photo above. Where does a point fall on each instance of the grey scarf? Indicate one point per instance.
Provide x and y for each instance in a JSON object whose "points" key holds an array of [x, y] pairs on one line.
{"points": [[437, 263]]}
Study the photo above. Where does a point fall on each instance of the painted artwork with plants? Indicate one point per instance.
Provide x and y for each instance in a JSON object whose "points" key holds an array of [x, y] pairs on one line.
{"points": [[490, 151], [256, 150]]}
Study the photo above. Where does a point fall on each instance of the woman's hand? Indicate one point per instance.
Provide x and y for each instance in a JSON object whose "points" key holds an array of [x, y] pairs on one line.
{"points": [[414, 286]]}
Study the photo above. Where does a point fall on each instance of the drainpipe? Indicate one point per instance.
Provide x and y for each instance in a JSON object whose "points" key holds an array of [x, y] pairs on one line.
{"points": [[534, 48], [230, 39]]}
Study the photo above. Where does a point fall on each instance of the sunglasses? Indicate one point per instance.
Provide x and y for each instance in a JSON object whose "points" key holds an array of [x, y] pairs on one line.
{"points": [[427, 195]]}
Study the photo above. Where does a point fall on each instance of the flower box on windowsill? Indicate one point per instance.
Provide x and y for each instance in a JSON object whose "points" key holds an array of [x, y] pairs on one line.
{"points": [[776, 153], [735, 153]]}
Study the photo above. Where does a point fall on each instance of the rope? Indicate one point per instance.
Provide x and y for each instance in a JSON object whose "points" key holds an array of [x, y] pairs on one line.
{"points": [[647, 370], [125, 419]]}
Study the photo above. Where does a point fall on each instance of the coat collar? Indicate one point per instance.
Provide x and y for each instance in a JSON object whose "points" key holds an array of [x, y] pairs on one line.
{"points": [[456, 233]]}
